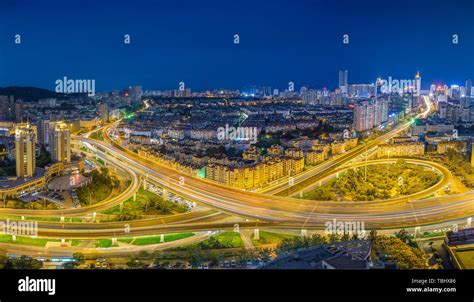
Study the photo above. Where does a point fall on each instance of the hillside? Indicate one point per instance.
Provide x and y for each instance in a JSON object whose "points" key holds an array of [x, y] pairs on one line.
{"points": [[29, 94]]}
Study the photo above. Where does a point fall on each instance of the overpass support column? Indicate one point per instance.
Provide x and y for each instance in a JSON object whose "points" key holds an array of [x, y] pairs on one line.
{"points": [[121, 206], [134, 196], [114, 241], [144, 184], [94, 216], [165, 194], [162, 238], [62, 218], [63, 242], [304, 233], [417, 231], [13, 237], [256, 234], [469, 222]]}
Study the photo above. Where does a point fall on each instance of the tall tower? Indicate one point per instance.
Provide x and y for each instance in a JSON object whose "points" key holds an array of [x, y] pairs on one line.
{"points": [[60, 142], [343, 82], [418, 84], [468, 88], [25, 150]]}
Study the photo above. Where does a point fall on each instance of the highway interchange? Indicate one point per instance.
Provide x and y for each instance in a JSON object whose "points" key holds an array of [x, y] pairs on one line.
{"points": [[225, 207]]}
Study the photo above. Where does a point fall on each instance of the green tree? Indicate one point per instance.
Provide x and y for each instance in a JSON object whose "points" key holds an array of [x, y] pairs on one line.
{"points": [[71, 265], [373, 235], [26, 262], [143, 255], [404, 236], [134, 263], [265, 255], [78, 257], [3, 258], [195, 255]]}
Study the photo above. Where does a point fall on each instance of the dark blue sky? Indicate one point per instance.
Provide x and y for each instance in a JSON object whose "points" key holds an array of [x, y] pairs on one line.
{"points": [[192, 41]]}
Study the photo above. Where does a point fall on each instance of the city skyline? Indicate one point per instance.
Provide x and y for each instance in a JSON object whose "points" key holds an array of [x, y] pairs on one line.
{"points": [[222, 135], [279, 42]]}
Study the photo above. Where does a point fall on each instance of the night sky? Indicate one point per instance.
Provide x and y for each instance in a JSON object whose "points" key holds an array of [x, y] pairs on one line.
{"points": [[192, 41]]}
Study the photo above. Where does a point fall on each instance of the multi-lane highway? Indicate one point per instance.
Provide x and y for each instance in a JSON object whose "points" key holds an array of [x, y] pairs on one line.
{"points": [[82, 211], [260, 210], [443, 172], [307, 178], [287, 211]]}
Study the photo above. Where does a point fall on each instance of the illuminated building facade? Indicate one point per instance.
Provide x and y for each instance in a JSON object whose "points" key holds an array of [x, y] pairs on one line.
{"points": [[25, 150]]}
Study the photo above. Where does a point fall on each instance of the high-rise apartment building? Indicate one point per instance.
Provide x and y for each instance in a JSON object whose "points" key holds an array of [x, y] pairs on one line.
{"points": [[19, 111], [60, 142], [343, 81], [468, 88], [103, 110], [25, 150], [370, 114]]}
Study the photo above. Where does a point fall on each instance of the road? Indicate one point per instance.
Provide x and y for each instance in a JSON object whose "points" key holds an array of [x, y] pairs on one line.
{"points": [[263, 210], [84, 211], [121, 251], [445, 174]]}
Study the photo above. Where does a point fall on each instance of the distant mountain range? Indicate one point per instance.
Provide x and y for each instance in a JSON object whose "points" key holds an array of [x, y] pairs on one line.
{"points": [[29, 94]]}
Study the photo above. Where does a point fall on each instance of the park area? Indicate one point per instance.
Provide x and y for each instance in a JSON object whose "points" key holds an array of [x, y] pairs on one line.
{"points": [[376, 182]]}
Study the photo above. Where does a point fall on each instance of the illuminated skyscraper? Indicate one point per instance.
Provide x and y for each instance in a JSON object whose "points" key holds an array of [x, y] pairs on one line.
{"points": [[454, 92], [364, 116], [60, 142], [25, 150], [418, 84]]}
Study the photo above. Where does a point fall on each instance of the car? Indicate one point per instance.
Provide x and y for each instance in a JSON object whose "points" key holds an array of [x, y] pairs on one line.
{"points": [[226, 263], [233, 263], [104, 265]]}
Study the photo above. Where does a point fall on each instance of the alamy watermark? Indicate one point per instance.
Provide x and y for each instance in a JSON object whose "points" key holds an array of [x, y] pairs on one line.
{"points": [[335, 227], [237, 134], [66, 85], [19, 228], [397, 86]]}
